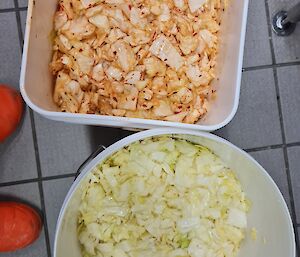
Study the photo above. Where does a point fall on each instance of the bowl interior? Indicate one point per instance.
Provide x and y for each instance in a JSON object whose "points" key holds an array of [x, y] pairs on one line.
{"points": [[269, 214]]}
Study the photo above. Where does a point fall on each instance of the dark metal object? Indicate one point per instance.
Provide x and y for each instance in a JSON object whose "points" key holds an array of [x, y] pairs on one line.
{"points": [[90, 158], [284, 22], [280, 26]]}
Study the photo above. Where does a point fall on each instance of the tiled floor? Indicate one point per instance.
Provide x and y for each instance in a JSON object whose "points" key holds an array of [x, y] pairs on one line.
{"points": [[39, 161]]}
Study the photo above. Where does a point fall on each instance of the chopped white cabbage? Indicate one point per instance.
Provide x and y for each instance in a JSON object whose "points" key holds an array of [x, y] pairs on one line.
{"points": [[165, 16], [113, 72], [89, 3], [162, 197], [194, 5], [94, 10], [237, 218], [162, 109], [133, 77], [164, 50], [85, 62], [179, 3], [208, 37], [100, 21]]}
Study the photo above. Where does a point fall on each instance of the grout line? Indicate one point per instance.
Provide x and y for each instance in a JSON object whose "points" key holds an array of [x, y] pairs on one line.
{"points": [[270, 33], [293, 144], [13, 183], [69, 175], [25, 181], [285, 153], [274, 65], [40, 182], [19, 25], [13, 9], [269, 147], [34, 136]]}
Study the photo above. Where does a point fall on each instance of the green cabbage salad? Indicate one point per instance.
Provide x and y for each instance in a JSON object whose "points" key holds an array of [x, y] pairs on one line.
{"points": [[162, 197]]}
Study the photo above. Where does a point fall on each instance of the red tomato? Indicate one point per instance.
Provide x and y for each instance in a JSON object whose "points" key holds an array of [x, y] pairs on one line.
{"points": [[20, 225], [11, 110]]}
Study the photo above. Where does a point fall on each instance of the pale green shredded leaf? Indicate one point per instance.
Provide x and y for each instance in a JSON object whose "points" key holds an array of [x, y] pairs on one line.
{"points": [[162, 197]]}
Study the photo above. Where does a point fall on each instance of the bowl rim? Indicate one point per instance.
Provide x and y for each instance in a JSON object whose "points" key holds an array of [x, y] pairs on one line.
{"points": [[159, 132]]}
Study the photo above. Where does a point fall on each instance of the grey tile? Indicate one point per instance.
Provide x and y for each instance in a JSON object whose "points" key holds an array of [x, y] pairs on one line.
{"points": [[6, 4], [294, 162], [17, 155], [23, 16], [10, 49], [28, 193], [62, 147], [288, 79], [257, 47], [55, 192], [273, 162], [23, 3], [257, 121], [287, 49]]}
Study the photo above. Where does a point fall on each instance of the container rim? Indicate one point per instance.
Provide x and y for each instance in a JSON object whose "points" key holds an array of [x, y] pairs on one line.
{"points": [[159, 132], [124, 121]]}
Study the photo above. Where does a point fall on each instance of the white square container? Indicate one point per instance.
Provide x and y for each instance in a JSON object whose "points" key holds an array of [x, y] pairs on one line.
{"points": [[36, 82]]}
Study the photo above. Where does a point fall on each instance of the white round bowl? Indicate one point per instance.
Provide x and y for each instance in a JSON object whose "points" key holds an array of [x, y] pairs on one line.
{"points": [[269, 214]]}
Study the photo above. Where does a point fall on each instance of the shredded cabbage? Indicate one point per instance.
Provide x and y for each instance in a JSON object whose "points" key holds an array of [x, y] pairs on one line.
{"points": [[162, 197]]}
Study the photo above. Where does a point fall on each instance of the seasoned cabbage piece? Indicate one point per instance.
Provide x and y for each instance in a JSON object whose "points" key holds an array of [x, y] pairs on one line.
{"points": [[164, 52]]}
